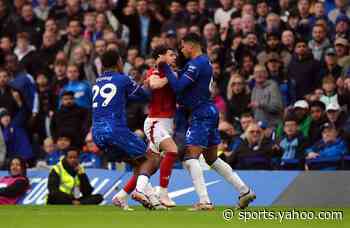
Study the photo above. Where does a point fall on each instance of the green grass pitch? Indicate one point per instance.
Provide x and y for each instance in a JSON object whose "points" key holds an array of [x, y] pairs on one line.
{"points": [[109, 216]]}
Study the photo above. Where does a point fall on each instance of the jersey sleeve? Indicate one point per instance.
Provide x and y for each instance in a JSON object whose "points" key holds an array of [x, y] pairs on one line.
{"points": [[191, 72], [188, 77], [135, 91]]}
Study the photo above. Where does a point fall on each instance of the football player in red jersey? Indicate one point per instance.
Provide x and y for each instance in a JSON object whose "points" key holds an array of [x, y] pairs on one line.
{"points": [[158, 127]]}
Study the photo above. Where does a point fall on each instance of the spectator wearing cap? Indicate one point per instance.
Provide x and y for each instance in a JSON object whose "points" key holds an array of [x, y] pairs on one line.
{"points": [[292, 145], [16, 139], [171, 39], [342, 27], [301, 112], [319, 42], [330, 66], [304, 70], [328, 152], [342, 51], [318, 118], [342, 7], [266, 99], [70, 119], [339, 119], [276, 72]]}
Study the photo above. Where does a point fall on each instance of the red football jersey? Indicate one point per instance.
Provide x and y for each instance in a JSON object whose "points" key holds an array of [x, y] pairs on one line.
{"points": [[163, 102]]}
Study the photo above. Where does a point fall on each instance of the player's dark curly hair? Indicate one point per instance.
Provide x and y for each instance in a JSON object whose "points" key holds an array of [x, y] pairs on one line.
{"points": [[160, 50], [110, 59]]}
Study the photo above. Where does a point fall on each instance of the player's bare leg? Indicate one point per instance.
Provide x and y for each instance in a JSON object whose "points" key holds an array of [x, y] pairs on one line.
{"points": [[168, 145], [191, 163], [222, 168]]}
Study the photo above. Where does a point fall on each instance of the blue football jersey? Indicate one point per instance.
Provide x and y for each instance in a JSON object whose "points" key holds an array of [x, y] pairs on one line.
{"points": [[110, 95], [194, 84]]}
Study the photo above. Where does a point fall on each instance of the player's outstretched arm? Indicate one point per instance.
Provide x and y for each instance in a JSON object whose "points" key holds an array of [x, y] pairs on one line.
{"points": [[155, 82], [178, 85], [136, 92]]}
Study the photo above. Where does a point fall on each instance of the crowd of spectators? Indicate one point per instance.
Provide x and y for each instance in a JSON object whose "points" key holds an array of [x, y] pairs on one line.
{"points": [[281, 70]]}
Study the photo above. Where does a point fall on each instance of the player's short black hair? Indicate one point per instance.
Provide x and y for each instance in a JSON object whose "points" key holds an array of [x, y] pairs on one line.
{"points": [[160, 50], [193, 38], [110, 59], [68, 93]]}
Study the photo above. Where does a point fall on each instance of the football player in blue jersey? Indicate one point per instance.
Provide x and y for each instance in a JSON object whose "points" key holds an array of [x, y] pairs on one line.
{"points": [[110, 132], [193, 89]]}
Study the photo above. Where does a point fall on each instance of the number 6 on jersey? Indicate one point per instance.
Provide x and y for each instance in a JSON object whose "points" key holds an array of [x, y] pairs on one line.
{"points": [[107, 92]]}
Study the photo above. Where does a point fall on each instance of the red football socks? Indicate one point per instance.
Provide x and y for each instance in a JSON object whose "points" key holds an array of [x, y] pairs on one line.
{"points": [[166, 167], [130, 186]]}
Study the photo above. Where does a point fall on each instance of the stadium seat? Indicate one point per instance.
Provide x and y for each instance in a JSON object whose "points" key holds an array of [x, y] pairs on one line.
{"points": [[254, 162], [292, 164], [324, 163]]}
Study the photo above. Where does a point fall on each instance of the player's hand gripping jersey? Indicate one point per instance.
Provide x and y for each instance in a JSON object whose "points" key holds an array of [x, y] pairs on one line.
{"points": [[163, 102]]}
